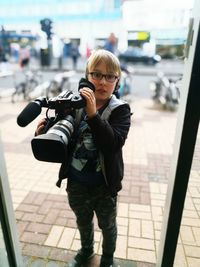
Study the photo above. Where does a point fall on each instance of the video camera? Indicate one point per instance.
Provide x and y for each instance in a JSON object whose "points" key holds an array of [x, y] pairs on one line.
{"points": [[52, 145]]}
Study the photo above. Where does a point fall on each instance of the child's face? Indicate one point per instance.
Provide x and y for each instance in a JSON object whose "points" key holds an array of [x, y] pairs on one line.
{"points": [[105, 86]]}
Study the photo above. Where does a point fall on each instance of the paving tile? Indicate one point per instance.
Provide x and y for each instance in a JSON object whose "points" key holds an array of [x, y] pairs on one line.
{"points": [[147, 229], [186, 234], [189, 204], [61, 221], [190, 214], [194, 192], [134, 228], [66, 238], [122, 230], [196, 232], [145, 264], [180, 258], [158, 203], [140, 208], [66, 213], [192, 251], [21, 226], [71, 223], [193, 262], [97, 248], [32, 217], [121, 247], [155, 188], [97, 236], [26, 261], [27, 208], [76, 245], [35, 250], [122, 210], [19, 215], [157, 213], [140, 215], [60, 255], [157, 234], [39, 228], [50, 218], [122, 221], [54, 236], [39, 263], [141, 255], [35, 238], [53, 264], [45, 207], [158, 225], [142, 243], [190, 222]]}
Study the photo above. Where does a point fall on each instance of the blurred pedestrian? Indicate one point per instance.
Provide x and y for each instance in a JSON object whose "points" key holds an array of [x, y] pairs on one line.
{"points": [[111, 44], [2, 55], [88, 51], [24, 56], [75, 54]]}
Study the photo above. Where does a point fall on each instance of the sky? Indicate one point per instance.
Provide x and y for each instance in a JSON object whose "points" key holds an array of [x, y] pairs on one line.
{"points": [[157, 14], [168, 3]]}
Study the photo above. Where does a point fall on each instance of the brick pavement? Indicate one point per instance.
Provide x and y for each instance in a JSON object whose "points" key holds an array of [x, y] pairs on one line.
{"points": [[46, 225]]}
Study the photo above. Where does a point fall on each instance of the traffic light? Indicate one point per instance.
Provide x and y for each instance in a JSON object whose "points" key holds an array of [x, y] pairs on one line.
{"points": [[46, 26]]}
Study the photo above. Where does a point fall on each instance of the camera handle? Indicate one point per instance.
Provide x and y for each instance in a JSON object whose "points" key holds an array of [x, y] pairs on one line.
{"points": [[85, 83], [50, 121]]}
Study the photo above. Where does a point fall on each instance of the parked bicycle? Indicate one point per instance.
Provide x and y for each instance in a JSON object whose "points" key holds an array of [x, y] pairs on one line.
{"points": [[59, 83], [51, 88], [165, 91], [23, 89]]}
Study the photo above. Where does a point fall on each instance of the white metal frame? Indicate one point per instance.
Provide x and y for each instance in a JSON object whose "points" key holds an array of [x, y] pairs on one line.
{"points": [[185, 139], [8, 222]]}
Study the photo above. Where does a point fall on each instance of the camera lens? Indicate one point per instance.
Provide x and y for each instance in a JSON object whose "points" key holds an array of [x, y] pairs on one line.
{"points": [[52, 146], [64, 128]]}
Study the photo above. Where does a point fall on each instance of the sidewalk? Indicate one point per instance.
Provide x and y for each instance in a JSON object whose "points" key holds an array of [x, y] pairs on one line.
{"points": [[46, 225]]}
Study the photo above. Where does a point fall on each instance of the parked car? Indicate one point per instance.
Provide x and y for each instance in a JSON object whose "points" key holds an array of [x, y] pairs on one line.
{"points": [[136, 55]]}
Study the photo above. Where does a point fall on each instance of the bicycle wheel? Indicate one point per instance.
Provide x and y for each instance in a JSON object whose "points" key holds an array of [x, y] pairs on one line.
{"points": [[52, 90], [30, 86], [18, 94]]}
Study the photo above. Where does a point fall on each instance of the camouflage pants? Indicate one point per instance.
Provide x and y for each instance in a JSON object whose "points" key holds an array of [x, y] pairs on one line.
{"points": [[85, 201]]}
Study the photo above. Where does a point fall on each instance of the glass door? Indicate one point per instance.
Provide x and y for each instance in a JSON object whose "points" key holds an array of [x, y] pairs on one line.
{"points": [[3, 253], [10, 255]]}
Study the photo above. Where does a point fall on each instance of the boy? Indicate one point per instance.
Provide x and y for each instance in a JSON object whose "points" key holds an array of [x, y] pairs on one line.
{"points": [[96, 166]]}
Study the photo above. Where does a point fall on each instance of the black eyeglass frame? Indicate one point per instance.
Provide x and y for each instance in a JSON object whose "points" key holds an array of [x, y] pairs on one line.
{"points": [[103, 75]]}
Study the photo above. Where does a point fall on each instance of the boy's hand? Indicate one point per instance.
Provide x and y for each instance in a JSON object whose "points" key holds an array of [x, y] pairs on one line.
{"points": [[40, 127], [89, 96]]}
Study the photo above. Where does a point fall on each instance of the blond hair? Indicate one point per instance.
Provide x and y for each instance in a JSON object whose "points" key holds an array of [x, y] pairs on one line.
{"points": [[100, 55]]}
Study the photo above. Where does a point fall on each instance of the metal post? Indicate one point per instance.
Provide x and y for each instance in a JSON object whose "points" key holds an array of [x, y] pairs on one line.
{"points": [[186, 134]]}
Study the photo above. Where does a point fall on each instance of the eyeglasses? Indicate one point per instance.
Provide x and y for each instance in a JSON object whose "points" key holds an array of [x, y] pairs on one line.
{"points": [[111, 78]]}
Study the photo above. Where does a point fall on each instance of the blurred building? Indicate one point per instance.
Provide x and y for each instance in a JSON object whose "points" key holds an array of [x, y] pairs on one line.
{"points": [[162, 26], [89, 22]]}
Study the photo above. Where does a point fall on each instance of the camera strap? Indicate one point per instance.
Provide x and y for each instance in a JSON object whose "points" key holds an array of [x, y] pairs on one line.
{"points": [[114, 103], [78, 116]]}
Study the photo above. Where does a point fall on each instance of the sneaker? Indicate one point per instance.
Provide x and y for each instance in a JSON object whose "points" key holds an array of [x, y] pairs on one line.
{"points": [[107, 262], [81, 258]]}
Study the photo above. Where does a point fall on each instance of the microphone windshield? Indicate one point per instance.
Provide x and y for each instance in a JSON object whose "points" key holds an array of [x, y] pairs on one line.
{"points": [[28, 114]]}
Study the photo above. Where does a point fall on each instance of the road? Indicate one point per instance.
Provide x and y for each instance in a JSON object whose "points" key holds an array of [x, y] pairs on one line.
{"points": [[141, 76]]}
